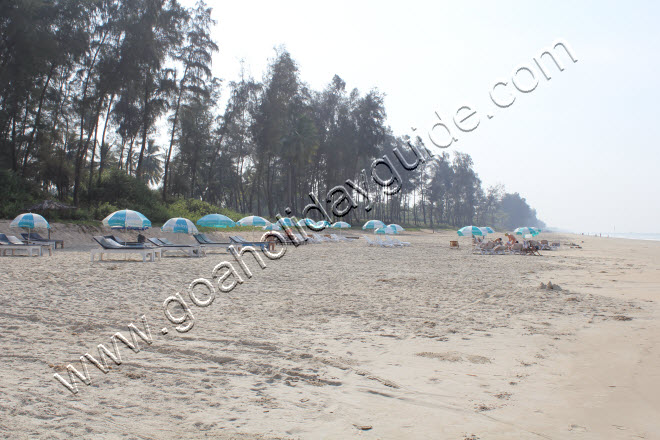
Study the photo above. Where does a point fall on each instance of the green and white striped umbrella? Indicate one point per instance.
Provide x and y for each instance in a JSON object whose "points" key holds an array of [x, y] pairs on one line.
{"points": [[488, 229], [323, 224], [373, 224], [306, 222], [526, 230], [272, 227], [340, 225], [179, 225], [468, 231], [216, 221], [253, 220], [386, 230], [127, 219], [397, 227], [285, 222], [30, 221]]}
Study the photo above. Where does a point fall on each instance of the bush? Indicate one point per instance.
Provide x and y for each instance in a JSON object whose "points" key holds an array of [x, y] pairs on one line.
{"points": [[118, 191], [194, 209], [17, 194]]}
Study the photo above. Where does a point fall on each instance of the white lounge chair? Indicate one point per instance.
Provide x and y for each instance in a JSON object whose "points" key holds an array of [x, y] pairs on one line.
{"points": [[9, 242]]}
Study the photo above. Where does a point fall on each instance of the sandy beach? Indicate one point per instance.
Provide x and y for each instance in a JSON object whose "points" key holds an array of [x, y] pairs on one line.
{"points": [[340, 340]]}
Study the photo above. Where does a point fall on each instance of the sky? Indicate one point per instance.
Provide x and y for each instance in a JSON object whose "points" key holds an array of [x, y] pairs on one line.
{"points": [[583, 147]]}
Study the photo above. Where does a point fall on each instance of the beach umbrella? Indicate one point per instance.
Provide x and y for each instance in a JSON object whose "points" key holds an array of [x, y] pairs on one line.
{"points": [[488, 229], [526, 230], [29, 221], [180, 226], [272, 227], [253, 220], [306, 222], [323, 224], [127, 219], [340, 226], [285, 222], [397, 227], [468, 231], [216, 221], [386, 230], [373, 224]]}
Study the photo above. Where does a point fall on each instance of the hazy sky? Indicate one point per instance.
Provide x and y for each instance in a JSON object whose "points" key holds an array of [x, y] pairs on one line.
{"points": [[582, 148]]}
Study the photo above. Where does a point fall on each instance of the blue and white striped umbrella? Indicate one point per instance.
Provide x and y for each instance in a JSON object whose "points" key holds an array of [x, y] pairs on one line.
{"points": [[323, 224], [468, 231], [488, 229], [526, 230], [306, 222], [386, 230], [373, 224], [216, 221], [397, 227], [285, 222], [29, 221], [253, 220], [272, 227], [180, 226], [127, 219], [340, 225]]}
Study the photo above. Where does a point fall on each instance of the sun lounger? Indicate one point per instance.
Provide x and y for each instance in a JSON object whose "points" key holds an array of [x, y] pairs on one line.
{"points": [[204, 240], [6, 246], [399, 242], [338, 237], [167, 246], [516, 248], [13, 241], [555, 245], [122, 242], [319, 238], [110, 246], [545, 245], [374, 242], [35, 237], [243, 242]]}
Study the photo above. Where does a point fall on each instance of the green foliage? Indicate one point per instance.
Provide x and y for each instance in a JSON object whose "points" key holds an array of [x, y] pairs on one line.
{"points": [[17, 194], [194, 209]]}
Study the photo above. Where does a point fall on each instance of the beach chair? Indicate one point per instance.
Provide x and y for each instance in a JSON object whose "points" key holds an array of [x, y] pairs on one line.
{"points": [[545, 245], [453, 244], [397, 241], [122, 242], [237, 239], [516, 248], [555, 245], [18, 242], [337, 237], [204, 240], [35, 237], [369, 241], [167, 246], [319, 238], [6, 246], [110, 246], [330, 238]]}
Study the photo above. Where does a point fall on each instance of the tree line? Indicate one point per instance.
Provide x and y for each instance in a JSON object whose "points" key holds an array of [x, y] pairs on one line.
{"points": [[96, 87]]}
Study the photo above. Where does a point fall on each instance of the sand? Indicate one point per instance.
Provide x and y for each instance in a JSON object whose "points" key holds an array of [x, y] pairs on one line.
{"points": [[339, 340]]}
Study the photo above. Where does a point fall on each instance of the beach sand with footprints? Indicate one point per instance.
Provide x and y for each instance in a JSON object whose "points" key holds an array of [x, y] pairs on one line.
{"points": [[340, 340]]}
